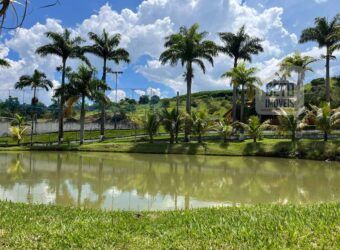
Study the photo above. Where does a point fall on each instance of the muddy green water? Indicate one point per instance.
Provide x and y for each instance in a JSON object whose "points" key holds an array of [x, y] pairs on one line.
{"points": [[162, 182]]}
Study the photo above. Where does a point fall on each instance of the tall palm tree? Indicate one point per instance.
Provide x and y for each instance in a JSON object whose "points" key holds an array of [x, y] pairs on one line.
{"points": [[239, 46], [298, 64], [106, 47], [189, 47], [83, 85], [324, 34], [65, 47], [35, 81], [4, 63], [243, 77]]}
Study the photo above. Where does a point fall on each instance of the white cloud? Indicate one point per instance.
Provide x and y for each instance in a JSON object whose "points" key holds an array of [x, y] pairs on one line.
{"points": [[320, 1], [121, 95], [143, 33], [153, 91], [140, 92]]}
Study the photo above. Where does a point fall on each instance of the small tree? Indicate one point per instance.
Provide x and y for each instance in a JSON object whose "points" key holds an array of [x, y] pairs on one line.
{"points": [[225, 128], [151, 125], [325, 119], [18, 128], [292, 120], [172, 122], [136, 122], [200, 124], [254, 127]]}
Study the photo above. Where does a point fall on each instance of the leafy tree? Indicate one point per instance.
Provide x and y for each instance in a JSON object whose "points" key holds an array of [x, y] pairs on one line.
{"points": [[144, 99], [155, 99], [292, 120], [106, 47], [151, 124], [83, 85], [325, 33], [189, 47], [241, 76], [65, 47], [239, 46], [254, 127], [35, 81], [326, 119], [172, 122]]}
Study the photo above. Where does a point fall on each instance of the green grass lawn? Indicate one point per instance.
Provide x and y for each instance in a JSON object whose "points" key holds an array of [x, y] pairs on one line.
{"points": [[256, 227], [308, 149]]}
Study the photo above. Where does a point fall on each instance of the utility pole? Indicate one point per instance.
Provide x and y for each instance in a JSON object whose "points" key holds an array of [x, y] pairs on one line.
{"points": [[116, 73]]}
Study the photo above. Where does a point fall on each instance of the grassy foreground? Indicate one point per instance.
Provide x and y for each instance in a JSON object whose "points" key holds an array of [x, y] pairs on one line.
{"points": [[259, 227]]}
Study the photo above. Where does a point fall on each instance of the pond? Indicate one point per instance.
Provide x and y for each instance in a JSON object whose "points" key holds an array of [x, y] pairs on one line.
{"points": [[162, 182]]}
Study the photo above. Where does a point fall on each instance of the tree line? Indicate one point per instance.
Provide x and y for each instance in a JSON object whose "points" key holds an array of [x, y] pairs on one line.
{"points": [[189, 47]]}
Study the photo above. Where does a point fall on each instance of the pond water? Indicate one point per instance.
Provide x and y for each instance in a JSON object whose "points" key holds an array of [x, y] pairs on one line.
{"points": [[162, 182]]}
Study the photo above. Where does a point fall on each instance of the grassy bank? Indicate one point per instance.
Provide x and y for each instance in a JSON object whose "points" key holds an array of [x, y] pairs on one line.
{"points": [[307, 149], [304, 149], [259, 227]]}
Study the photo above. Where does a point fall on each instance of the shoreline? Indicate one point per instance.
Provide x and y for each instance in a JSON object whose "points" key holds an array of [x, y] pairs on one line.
{"points": [[308, 150]]}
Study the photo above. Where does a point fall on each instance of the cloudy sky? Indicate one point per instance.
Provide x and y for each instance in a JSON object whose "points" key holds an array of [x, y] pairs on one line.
{"points": [[144, 24]]}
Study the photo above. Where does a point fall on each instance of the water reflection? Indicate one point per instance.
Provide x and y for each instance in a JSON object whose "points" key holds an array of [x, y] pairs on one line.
{"points": [[157, 182]]}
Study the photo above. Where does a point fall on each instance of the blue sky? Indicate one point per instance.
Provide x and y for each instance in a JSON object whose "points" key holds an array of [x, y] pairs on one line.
{"points": [[144, 24]]}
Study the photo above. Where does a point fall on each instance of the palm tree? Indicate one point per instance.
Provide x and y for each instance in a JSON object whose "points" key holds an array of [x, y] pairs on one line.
{"points": [[292, 120], [239, 46], [324, 34], [254, 127], [151, 124], [241, 76], [4, 63], [83, 85], [224, 127], [189, 47], [172, 121], [106, 47], [325, 119], [200, 124], [18, 128], [35, 81], [298, 64], [65, 47]]}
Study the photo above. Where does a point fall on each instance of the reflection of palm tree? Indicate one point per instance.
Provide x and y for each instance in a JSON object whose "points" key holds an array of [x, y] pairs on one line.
{"points": [[59, 164], [15, 169], [80, 180]]}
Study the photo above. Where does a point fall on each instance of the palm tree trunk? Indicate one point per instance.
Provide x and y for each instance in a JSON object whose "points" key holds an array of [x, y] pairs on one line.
{"points": [[325, 136], [234, 108], [61, 107], [102, 115], [328, 87], [242, 104], [82, 119], [188, 101], [172, 138]]}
